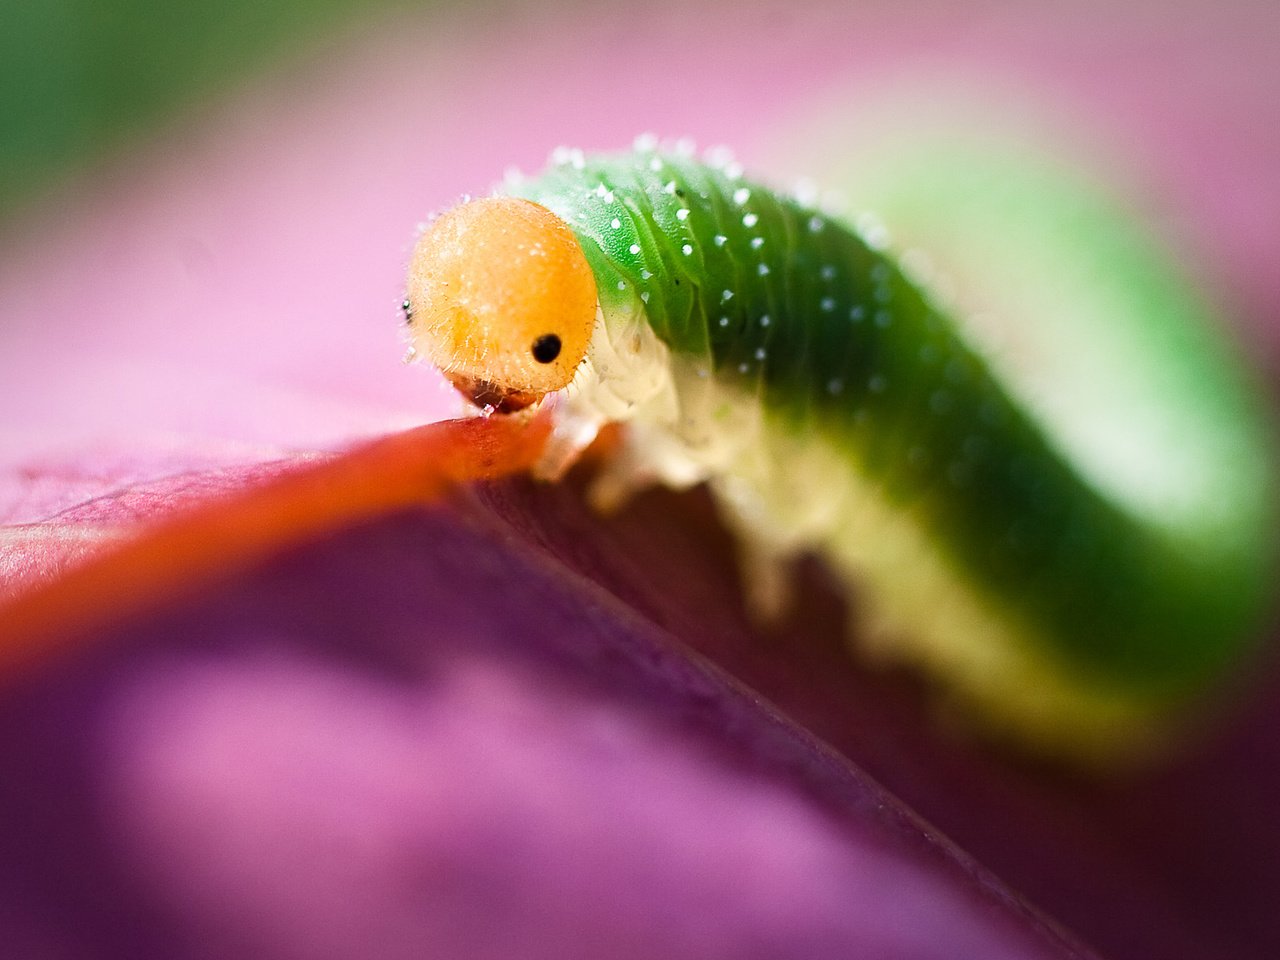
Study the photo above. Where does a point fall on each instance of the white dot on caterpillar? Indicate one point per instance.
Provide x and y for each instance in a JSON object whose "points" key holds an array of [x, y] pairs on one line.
{"points": [[760, 353], [877, 383], [655, 164], [743, 367], [856, 313], [634, 248], [816, 224], [687, 249], [883, 319], [615, 223], [622, 284], [669, 187], [872, 231], [764, 320], [733, 170], [757, 243], [828, 304], [762, 269], [645, 274], [644, 295], [720, 239], [682, 213], [726, 295], [718, 156], [741, 196], [805, 192], [828, 272], [835, 385], [750, 220], [724, 321], [601, 190]]}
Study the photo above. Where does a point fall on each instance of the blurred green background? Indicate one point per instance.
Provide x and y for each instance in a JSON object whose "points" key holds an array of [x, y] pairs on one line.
{"points": [[78, 78]]}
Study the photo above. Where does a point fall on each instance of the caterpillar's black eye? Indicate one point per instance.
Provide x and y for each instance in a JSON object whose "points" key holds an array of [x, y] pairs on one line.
{"points": [[546, 348], [407, 309]]}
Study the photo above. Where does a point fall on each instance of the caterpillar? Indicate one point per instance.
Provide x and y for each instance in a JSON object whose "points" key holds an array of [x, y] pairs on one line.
{"points": [[783, 357]]}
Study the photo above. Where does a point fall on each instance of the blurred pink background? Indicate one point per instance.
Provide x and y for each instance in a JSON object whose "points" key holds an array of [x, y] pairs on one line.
{"points": [[254, 249]]}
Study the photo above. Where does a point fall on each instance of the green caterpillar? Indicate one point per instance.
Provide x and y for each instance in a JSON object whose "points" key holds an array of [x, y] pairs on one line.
{"points": [[763, 347]]}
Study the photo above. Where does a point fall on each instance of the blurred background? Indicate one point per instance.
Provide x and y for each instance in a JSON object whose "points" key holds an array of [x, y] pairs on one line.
{"points": [[190, 195]]}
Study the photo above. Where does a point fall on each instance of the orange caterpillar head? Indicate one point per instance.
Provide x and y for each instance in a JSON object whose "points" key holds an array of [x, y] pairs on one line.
{"points": [[502, 300]]}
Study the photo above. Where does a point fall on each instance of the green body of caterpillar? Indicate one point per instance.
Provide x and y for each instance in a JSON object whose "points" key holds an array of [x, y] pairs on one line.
{"points": [[771, 351]]}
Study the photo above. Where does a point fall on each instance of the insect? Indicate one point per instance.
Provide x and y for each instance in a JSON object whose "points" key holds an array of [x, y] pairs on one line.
{"points": [[760, 346]]}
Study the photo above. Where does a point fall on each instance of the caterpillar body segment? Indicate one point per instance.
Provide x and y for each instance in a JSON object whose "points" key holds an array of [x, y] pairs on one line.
{"points": [[769, 350]]}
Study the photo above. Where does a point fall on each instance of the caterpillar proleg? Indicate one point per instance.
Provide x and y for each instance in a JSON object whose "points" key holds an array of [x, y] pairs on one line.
{"points": [[781, 356]]}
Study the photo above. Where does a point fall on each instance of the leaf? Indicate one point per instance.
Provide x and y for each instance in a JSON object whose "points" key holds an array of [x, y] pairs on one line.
{"points": [[422, 731]]}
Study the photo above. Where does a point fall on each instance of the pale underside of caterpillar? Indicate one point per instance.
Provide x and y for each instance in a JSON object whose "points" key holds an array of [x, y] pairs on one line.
{"points": [[771, 351]]}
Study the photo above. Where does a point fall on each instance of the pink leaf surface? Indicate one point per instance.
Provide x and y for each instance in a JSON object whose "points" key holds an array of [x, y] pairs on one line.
{"points": [[423, 734], [493, 727]]}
